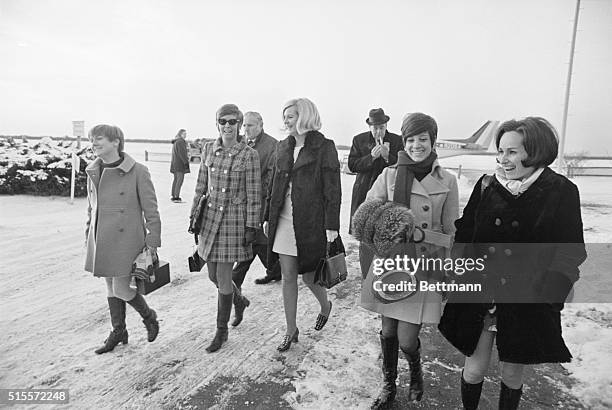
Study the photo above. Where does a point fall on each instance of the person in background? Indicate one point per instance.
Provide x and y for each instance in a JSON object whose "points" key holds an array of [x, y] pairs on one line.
{"points": [[371, 152], [122, 219], [179, 165], [510, 218], [302, 210], [229, 176], [419, 182], [265, 146]]}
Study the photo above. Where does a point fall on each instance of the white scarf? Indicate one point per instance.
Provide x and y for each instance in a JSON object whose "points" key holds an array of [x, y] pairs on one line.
{"points": [[515, 186]]}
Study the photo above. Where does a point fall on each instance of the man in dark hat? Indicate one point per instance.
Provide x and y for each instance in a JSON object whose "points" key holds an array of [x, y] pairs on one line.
{"points": [[371, 152]]}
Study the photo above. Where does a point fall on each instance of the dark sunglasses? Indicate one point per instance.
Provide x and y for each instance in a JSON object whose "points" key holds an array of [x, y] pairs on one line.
{"points": [[222, 121]]}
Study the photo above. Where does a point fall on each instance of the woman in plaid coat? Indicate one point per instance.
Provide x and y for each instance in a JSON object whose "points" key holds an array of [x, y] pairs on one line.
{"points": [[230, 177]]}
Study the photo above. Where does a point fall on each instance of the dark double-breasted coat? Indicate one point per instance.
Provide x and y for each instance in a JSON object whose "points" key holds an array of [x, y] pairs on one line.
{"points": [[230, 177], [367, 168], [538, 232], [315, 195], [265, 145]]}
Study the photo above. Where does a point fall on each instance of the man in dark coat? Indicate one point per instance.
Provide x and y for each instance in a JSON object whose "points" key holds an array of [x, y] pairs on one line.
{"points": [[179, 165], [371, 152], [265, 145]]}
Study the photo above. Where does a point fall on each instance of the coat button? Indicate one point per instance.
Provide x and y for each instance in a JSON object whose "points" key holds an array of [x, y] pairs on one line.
{"points": [[122, 210], [120, 229], [209, 205], [425, 207], [424, 225], [217, 153], [515, 224], [222, 189], [491, 249], [286, 174], [212, 169], [225, 171], [503, 281], [498, 221], [508, 252], [220, 208], [120, 193]]}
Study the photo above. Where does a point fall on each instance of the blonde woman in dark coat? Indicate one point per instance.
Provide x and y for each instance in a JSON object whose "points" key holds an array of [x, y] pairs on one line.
{"points": [[302, 208], [230, 177], [122, 220]]}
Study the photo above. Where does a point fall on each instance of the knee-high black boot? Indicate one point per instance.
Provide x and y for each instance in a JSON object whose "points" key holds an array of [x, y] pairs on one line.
{"points": [[224, 310], [390, 347], [149, 316], [470, 394], [415, 393], [509, 398], [119, 333], [240, 304]]}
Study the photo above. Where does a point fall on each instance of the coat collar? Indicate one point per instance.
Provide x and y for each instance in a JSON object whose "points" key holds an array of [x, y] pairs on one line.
{"points": [[432, 183], [312, 144], [234, 149], [93, 169]]}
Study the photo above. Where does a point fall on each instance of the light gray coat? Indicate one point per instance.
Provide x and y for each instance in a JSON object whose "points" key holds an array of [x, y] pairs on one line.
{"points": [[122, 217]]}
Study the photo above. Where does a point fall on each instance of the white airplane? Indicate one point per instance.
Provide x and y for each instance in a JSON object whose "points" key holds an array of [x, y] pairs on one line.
{"points": [[479, 143]]}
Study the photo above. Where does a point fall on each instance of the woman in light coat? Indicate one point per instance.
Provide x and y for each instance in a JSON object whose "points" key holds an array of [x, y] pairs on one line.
{"points": [[432, 195], [230, 177], [122, 219]]}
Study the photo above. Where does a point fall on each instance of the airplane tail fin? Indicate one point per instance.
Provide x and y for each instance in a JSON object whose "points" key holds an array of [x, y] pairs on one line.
{"points": [[483, 136]]}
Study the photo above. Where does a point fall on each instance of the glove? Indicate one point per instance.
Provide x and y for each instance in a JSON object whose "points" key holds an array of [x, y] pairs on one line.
{"points": [[249, 236]]}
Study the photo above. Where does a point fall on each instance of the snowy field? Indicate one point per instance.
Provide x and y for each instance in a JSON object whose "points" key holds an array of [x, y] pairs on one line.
{"points": [[54, 315]]}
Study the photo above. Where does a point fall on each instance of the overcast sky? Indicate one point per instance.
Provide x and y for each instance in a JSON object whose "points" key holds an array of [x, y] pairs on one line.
{"points": [[152, 67]]}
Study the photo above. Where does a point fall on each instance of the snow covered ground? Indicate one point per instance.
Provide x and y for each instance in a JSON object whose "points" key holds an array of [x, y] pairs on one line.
{"points": [[53, 315]]}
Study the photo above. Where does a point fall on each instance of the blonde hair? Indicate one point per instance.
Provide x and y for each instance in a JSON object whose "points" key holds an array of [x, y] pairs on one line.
{"points": [[308, 115]]}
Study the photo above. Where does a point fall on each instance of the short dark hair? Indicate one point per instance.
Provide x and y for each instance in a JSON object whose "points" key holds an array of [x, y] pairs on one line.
{"points": [[111, 132], [416, 123], [540, 140]]}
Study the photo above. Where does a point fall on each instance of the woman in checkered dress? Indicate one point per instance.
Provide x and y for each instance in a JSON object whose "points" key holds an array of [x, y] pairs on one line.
{"points": [[230, 177]]}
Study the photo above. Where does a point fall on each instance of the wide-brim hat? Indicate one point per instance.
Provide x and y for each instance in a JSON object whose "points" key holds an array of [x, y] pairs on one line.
{"points": [[377, 117]]}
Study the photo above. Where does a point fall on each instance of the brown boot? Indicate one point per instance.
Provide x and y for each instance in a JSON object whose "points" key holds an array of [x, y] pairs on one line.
{"points": [[416, 374], [240, 304], [119, 334], [148, 315], [224, 310], [389, 347]]}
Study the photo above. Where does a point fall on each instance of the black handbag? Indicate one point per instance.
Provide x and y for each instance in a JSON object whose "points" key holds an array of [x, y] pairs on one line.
{"points": [[196, 219], [196, 263], [332, 270], [159, 278]]}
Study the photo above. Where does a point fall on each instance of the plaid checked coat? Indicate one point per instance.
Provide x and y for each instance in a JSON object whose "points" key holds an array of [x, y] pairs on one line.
{"points": [[231, 179]]}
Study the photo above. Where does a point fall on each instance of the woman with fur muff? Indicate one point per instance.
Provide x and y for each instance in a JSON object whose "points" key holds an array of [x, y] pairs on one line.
{"points": [[526, 221], [122, 218], [230, 177], [419, 183], [302, 211]]}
